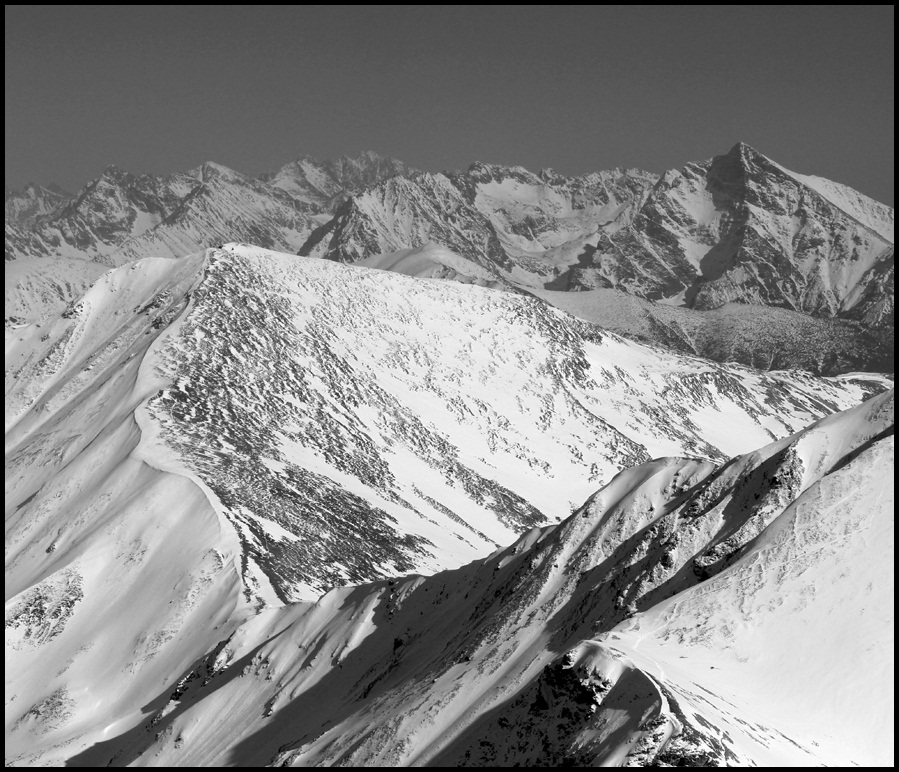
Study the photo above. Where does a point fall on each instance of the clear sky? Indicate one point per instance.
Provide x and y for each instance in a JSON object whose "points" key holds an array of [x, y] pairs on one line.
{"points": [[576, 88]]}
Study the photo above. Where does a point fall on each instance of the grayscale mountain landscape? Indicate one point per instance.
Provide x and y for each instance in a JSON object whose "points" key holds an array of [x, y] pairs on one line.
{"points": [[348, 461]]}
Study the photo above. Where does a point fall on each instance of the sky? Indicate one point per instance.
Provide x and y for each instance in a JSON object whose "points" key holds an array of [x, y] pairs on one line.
{"points": [[575, 88]]}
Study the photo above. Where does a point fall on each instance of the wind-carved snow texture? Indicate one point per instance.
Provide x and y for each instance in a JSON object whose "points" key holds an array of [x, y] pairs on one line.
{"points": [[40, 613], [314, 400], [486, 412], [591, 642]]}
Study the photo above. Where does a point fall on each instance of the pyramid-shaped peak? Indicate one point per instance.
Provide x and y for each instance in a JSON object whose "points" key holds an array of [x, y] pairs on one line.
{"points": [[746, 153]]}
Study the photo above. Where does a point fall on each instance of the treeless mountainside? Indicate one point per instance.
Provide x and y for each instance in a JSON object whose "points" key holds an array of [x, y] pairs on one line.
{"points": [[197, 441]]}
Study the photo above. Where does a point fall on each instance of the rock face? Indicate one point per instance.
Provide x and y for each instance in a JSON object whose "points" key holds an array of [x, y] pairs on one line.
{"points": [[526, 226], [121, 217], [328, 183], [738, 228], [197, 440], [33, 203], [757, 336]]}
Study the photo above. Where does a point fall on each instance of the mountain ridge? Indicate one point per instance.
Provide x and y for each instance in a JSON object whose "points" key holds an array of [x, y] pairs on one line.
{"points": [[554, 634], [738, 228]]}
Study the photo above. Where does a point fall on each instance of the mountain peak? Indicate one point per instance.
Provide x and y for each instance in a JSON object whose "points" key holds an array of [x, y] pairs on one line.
{"points": [[113, 172], [371, 155], [746, 153], [210, 169]]}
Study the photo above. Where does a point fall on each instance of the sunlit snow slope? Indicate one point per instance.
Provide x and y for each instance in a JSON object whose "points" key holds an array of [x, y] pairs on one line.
{"points": [[687, 614], [434, 420], [196, 440]]}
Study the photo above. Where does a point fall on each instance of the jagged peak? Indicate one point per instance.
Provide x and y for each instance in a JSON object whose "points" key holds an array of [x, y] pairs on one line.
{"points": [[212, 169], [366, 158], [484, 171], [371, 155], [747, 154], [548, 174], [113, 172]]}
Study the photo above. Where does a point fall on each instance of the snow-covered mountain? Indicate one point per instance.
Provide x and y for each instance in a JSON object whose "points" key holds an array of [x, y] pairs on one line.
{"points": [[33, 203], [43, 287], [507, 219], [759, 336], [686, 615], [737, 228], [196, 441], [433, 261], [327, 184], [438, 418], [121, 217]]}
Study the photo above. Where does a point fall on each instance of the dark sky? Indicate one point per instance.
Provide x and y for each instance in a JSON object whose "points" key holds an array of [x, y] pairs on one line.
{"points": [[577, 88]]}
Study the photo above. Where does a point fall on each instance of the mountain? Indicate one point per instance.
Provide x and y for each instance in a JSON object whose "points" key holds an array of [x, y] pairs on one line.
{"points": [[742, 228], [120, 216], [327, 184], [686, 615], [433, 261], [738, 228], [196, 442], [507, 219], [758, 336], [33, 203], [439, 419], [736, 231], [43, 287]]}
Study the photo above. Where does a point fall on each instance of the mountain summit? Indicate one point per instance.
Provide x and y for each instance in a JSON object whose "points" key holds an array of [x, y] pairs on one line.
{"points": [[739, 235]]}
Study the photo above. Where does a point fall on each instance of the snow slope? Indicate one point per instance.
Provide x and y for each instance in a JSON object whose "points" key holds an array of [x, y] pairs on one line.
{"points": [[736, 229], [439, 418], [757, 336], [432, 261], [196, 441], [687, 614], [44, 286], [328, 183], [117, 572]]}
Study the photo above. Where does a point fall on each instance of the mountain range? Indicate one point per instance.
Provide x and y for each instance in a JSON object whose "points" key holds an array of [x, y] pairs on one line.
{"points": [[738, 230], [353, 464], [250, 495]]}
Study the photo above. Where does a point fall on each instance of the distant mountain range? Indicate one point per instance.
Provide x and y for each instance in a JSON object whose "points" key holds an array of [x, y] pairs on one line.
{"points": [[736, 230]]}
